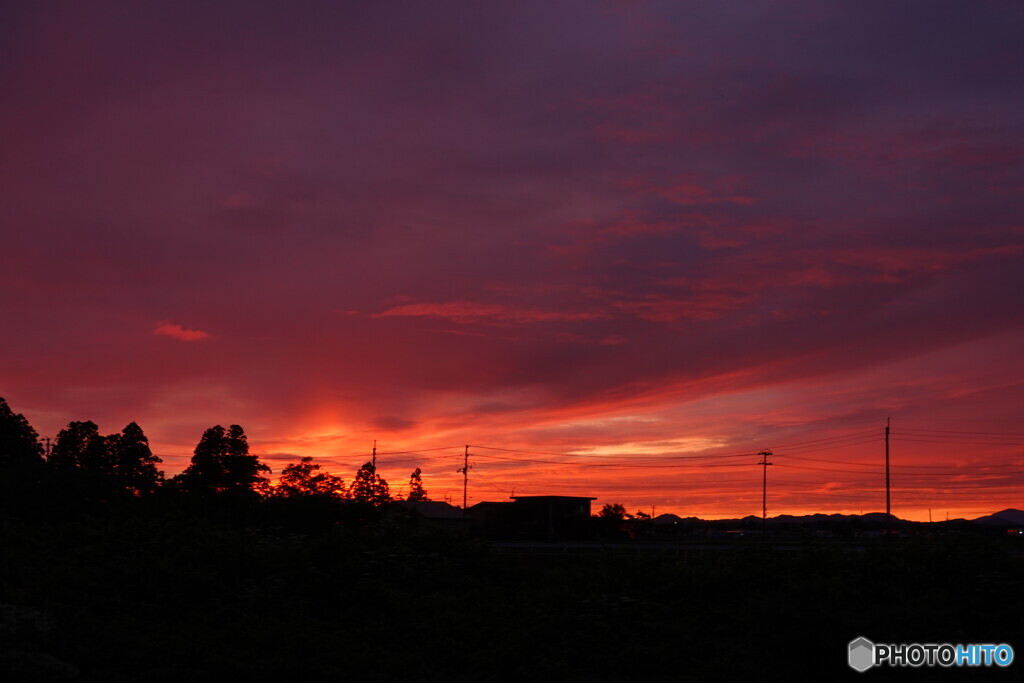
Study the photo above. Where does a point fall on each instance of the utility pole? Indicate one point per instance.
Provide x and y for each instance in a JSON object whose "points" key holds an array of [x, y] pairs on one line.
{"points": [[888, 507], [764, 487], [374, 457], [465, 478]]}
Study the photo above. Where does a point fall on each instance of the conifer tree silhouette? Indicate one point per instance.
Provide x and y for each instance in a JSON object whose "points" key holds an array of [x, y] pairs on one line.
{"points": [[221, 462], [369, 487], [416, 490], [135, 466]]}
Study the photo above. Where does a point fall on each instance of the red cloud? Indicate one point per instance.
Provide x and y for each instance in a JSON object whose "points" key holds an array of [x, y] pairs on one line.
{"points": [[465, 312], [629, 136], [180, 333], [701, 306]]}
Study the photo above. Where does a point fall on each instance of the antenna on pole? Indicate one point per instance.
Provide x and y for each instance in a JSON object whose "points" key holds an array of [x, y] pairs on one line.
{"points": [[374, 457], [764, 487]]}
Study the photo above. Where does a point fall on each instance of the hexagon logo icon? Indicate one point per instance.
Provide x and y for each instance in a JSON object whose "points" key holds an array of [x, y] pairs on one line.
{"points": [[862, 654]]}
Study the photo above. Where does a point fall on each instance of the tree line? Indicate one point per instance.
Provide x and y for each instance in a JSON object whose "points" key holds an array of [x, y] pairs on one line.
{"points": [[123, 464]]}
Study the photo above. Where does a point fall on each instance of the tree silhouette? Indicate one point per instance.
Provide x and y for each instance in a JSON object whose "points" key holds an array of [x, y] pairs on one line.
{"points": [[416, 490], [82, 469], [369, 487], [118, 462], [221, 463], [80, 446], [613, 511], [304, 478], [135, 466], [19, 443]]}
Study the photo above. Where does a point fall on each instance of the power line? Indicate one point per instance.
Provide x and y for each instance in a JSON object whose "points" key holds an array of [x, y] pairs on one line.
{"points": [[633, 460], [851, 435], [948, 431], [627, 465], [914, 474], [872, 464], [862, 434], [489, 482], [419, 450], [958, 442]]}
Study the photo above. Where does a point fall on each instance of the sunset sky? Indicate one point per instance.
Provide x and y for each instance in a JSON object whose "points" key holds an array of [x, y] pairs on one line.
{"points": [[631, 243]]}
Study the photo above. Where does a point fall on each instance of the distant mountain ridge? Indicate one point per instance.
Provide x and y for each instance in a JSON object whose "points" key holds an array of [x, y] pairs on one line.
{"points": [[1009, 516]]}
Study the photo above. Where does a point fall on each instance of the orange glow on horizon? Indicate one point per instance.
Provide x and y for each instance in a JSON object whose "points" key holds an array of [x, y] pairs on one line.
{"points": [[710, 478]]}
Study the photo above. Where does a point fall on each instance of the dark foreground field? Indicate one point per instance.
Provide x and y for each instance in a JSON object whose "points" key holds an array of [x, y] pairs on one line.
{"points": [[170, 597]]}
